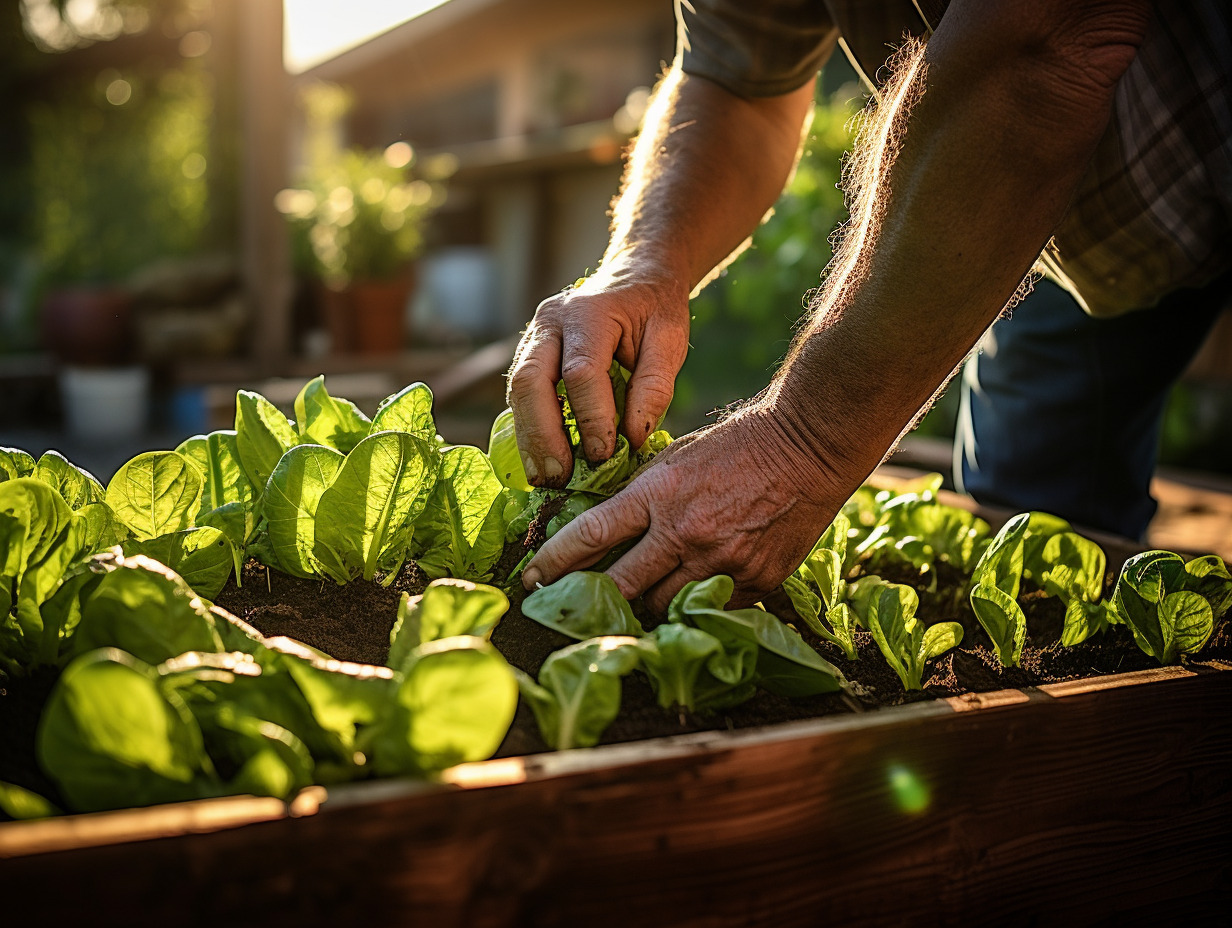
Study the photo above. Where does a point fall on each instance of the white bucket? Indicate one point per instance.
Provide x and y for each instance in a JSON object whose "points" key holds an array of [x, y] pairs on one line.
{"points": [[105, 402]]}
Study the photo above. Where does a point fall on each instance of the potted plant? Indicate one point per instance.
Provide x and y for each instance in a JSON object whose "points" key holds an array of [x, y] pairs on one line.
{"points": [[117, 181], [357, 224]]}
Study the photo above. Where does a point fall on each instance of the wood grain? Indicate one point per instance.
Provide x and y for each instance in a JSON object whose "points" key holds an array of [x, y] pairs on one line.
{"points": [[1053, 810]]}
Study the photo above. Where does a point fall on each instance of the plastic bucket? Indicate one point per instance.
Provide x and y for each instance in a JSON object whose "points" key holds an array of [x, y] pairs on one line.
{"points": [[105, 402]]}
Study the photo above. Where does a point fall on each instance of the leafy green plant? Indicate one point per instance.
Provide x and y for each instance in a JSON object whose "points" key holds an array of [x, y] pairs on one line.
{"points": [[703, 658], [888, 611], [169, 699], [446, 609], [578, 691], [583, 604], [1072, 568], [994, 598], [355, 215], [818, 588], [1171, 605]]}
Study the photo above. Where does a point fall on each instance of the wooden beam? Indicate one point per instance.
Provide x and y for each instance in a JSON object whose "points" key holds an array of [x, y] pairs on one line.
{"points": [[265, 257]]}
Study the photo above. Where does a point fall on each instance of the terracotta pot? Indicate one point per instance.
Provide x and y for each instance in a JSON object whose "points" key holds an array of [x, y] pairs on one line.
{"points": [[90, 327], [338, 317], [379, 313]]}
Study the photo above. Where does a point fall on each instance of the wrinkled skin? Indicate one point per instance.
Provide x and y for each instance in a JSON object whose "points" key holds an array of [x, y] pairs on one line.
{"points": [[637, 317], [728, 499]]}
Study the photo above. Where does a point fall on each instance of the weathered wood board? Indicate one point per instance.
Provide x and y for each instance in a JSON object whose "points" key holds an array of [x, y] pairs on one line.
{"points": [[1106, 799]]}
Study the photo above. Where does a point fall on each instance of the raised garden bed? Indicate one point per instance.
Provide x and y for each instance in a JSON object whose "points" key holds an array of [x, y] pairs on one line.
{"points": [[1086, 782], [1068, 803]]}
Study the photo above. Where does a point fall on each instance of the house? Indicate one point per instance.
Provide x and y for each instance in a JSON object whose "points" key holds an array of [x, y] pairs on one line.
{"points": [[534, 100]]}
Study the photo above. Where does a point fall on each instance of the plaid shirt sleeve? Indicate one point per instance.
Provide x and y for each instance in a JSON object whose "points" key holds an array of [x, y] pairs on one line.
{"points": [[1153, 214]]}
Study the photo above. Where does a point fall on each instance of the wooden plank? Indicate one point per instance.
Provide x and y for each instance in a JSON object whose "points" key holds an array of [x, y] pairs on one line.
{"points": [[265, 253], [1052, 810]]}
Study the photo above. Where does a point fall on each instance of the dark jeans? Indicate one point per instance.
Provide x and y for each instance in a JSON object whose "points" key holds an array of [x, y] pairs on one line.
{"points": [[1062, 412]]}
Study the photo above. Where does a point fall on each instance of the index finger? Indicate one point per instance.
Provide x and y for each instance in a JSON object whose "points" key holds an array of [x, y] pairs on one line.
{"points": [[537, 421], [587, 538]]}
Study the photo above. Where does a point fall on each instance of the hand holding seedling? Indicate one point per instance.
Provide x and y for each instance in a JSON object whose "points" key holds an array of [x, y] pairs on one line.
{"points": [[731, 499], [626, 311]]}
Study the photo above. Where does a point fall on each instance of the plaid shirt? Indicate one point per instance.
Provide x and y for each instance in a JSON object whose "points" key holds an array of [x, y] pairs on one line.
{"points": [[1154, 211]]}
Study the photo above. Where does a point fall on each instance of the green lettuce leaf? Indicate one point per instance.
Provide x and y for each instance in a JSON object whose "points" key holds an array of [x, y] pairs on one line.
{"points": [[78, 487], [446, 609], [201, 556], [327, 420], [290, 502], [408, 410], [383, 484], [450, 537], [583, 604], [156, 493], [262, 436]]}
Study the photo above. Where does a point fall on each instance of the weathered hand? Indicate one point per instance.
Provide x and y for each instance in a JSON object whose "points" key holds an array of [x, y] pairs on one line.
{"points": [[740, 498], [637, 316]]}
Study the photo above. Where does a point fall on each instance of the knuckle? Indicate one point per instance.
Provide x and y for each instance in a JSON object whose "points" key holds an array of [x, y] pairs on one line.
{"points": [[526, 374], [655, 390], [582, 369], [594, 529]]}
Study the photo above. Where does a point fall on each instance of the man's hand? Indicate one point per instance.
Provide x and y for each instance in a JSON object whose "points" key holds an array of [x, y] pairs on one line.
{"points": [[638, 316], [739, 498]]}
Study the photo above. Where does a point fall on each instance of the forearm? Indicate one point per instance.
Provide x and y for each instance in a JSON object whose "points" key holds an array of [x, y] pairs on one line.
{"points": [[975, 170], [704, 171]]}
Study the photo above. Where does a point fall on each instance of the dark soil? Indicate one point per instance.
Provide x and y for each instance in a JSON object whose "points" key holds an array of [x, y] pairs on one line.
{"points": [[350, 622]]}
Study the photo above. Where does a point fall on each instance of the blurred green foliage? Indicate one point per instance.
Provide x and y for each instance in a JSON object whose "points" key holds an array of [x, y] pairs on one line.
{"points": [[118, 173], [743, 321], [356, 215]]}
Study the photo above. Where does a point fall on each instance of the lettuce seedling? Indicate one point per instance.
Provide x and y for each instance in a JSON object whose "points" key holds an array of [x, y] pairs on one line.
{"points": [[1071, 568], [693, 669], [461, 532], [453, 704], [1169, 605], [818, 587], [41, 539], [288, 507], [888, 611], [111, 737], [583, 604], [262, 436], [446, 609], [994, 598], [579, 688], [687, 666], [785, 664]]}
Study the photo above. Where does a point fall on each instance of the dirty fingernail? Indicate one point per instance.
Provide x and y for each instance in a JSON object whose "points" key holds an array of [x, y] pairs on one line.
{"points": [[552, 468], [531, 578], [596, 449], [528, 465]]}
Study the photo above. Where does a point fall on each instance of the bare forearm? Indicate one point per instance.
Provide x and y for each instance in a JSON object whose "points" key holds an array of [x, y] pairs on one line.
{"points": [[704, 171], [957, 210]]}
